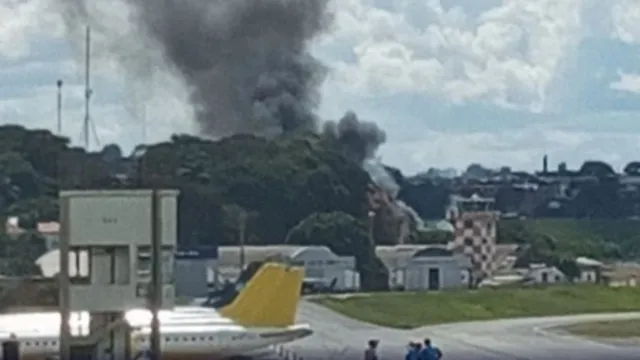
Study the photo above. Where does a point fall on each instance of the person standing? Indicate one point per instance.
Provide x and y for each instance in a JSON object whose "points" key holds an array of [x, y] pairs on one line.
{"points": [[372, 350], [412, 352], [430, 352]]}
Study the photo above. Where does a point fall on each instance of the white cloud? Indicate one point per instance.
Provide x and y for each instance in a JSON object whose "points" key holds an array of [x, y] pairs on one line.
{"points": [[627, 82], [626, 20], [507, 55]]}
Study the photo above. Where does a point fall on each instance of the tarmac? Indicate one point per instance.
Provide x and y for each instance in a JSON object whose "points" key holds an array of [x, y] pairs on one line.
{"points": [[338, 337]]}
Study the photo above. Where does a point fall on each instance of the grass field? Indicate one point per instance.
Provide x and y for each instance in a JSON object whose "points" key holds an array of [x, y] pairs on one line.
{"points": [[607, 329], [410, 310]]}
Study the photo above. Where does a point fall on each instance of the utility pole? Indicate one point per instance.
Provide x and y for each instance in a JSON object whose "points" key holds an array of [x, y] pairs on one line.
{"points": [[156, 275], [242, 226], [144, 123], [155, 290], [63, 291], [59, 107]]}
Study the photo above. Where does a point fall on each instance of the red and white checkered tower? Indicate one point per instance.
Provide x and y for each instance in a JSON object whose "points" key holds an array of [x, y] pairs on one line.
{"points": [[474, 221]]}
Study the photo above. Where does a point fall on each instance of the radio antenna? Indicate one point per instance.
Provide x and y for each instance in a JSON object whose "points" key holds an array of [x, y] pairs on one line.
{"points": [[88, 126]]}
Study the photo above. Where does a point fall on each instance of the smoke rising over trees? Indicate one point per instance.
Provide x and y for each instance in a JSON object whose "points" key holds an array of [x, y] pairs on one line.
{"points": [[247, 64], [358, 139]]}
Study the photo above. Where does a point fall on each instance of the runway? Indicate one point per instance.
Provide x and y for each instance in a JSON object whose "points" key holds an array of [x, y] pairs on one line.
{"points": [[338, 337]]}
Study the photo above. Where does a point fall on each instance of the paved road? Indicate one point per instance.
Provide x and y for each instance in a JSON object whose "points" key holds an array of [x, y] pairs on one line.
{"points": [[337, 337]]}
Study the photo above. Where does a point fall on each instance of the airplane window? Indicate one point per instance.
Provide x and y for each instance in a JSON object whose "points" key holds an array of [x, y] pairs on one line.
{"points": [[28, 343], [167, 339], [36, 344], [201, 338], [185, 339], [193, 338], [210, 338]]}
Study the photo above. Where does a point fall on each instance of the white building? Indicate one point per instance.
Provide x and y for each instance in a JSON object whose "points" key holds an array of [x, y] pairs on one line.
{"points": [[533, 274], [420, 267], [544, 274], [590, 269], [319, 262]]}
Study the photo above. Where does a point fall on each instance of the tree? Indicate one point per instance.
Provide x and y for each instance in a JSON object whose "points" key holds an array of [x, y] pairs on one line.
{"points": [[632, 168], [200, 217], [569, 267], [599, 169], [19, 255], [344, 235], [434, 237], [280, 181], [34, 210]]}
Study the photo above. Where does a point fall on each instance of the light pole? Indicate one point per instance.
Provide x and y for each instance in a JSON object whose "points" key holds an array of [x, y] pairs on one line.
{"points": [[242, 226], [371, 215], [154, 296]]}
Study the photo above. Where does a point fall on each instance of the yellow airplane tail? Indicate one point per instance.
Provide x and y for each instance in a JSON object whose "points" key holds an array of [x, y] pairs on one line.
{"points": [[269, 299]]}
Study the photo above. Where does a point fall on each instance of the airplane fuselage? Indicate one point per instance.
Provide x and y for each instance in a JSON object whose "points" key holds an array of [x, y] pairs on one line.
{"points": [[177, 342]]}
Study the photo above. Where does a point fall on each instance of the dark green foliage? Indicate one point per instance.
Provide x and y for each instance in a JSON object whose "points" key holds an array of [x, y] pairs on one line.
{"points": [[433, 237], [19, 254], [560, 241], [277, 183]]}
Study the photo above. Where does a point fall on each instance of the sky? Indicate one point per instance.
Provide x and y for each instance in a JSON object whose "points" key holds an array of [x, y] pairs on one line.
{"points": [[453, 82]]}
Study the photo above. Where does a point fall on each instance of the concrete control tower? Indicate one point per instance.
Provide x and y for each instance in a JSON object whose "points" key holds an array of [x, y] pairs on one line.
{"points": [[108, 234]]}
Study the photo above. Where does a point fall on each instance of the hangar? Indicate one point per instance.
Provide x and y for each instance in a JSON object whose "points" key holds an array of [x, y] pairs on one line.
{"points": [[320, 263], [420, 267]]}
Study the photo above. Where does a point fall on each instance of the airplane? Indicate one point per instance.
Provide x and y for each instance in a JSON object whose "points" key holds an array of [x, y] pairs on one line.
{"points": [[271, 277], [262, 314], [193, 342]]}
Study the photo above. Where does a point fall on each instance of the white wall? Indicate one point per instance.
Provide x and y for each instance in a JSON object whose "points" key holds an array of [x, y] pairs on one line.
{"points": [[417, 274], [323, 264], [553, 276], [117, 217], [588, 276]]}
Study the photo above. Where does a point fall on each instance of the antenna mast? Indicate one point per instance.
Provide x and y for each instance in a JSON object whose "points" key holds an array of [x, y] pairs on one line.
{"points": [[59, 109], [87, 89], [144, 124]]}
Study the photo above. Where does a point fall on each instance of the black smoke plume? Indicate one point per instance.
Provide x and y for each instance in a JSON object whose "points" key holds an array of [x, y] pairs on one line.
{"points": [[246, 63], [358, 139]]}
